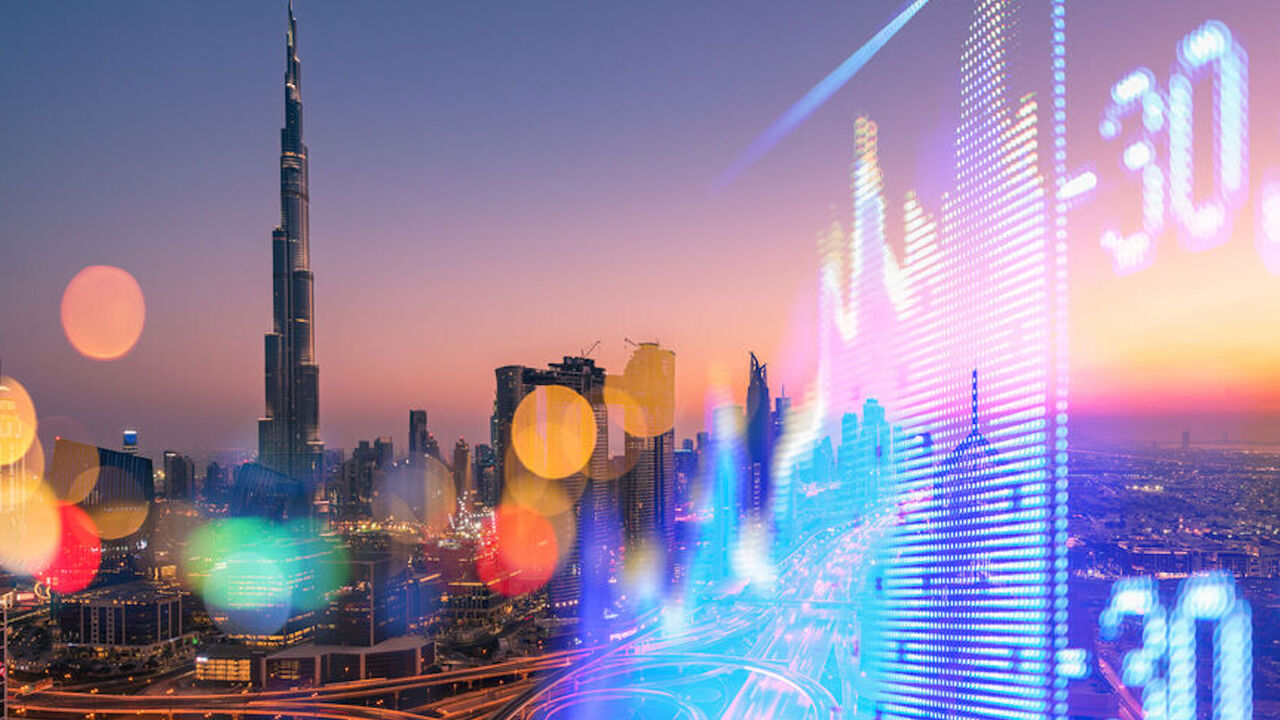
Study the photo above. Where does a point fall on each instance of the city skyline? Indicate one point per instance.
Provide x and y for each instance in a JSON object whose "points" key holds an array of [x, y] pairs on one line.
{"points": [[948, 395], [387, 224], [395, 237]]}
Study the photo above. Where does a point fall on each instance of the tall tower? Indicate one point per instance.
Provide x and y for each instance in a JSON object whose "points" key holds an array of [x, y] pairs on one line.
{"points": [[289, 434], [648, 489], [759, 439]]}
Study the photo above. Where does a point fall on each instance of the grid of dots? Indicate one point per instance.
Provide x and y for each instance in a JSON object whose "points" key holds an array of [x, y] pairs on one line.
{"points": [[966, 340]]}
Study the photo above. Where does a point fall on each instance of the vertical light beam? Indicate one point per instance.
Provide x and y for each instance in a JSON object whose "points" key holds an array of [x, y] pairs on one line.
{"points": [[818, 94]]}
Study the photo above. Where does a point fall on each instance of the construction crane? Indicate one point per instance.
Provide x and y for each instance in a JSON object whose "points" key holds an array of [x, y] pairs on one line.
{"points": [[588, 351]]}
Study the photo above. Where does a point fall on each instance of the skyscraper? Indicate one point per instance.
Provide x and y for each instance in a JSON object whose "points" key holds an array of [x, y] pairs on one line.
{"points": [[484, 475], [579, 585], [179, 477], [384, 453], [759, 429], [648, 488], [462, 471], [289, 433], [417, 435], [116, 491], [216, 485]]}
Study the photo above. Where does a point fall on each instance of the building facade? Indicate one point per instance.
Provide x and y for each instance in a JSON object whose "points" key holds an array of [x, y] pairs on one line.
{"points": [[578, 590]]}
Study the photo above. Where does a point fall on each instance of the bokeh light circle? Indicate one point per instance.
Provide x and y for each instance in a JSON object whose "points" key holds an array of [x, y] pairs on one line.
{"points": [[79, 553], [520, 551], [624, 416], [17, 421], [248, 594], [548, 497], [553, 431], [103, 312], [422, 493], [77, 471], [122, 515], [650, 378], [31, 528], [21, 479]]}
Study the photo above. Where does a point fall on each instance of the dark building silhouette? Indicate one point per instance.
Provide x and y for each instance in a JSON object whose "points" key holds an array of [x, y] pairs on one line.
{"points": [[356, 482], [485, 476], [462, 470], [179, 477], [383, 453], [778, 421], [259, 491], [216, 483], [759, 432], [417, 434], [685, 460], [369, 607], [116, 490], [289, 432]]}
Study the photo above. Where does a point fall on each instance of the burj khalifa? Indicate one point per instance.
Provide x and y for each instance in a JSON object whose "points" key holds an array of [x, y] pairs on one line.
{"points": [[289, 433]]}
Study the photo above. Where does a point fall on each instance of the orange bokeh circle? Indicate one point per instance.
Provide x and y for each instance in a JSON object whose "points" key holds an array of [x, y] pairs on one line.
{"points": [[17, 421], [554, 431], [103, 312]]}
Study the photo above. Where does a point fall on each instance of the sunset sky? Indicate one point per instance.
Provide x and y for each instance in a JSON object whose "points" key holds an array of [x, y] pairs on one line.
{"points": [[506, 183]]}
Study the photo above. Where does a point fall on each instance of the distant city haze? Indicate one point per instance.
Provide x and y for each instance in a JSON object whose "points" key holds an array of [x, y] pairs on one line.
{"points": [[497, 184]]}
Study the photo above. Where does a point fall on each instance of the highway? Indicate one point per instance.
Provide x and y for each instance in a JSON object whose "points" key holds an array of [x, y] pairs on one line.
{"points": [[789, 652]]}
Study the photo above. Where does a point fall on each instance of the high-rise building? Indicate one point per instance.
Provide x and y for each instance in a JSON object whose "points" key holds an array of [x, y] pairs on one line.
{"points": [[383, 453], [778, 422], [179, 477], [356, 481], [759, 432], [686, 466], [289, 433], [417, 435], [116, 490], [259, 491], [216, 485], [648, 488], [485, 477], [579, 587], [462, 470]]}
